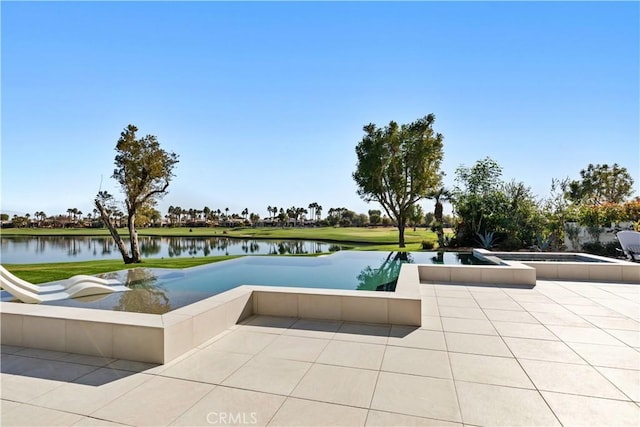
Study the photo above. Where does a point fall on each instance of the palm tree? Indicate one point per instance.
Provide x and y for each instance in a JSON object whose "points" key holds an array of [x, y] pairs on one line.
{"points": [[318, 212], [440, 194], [269, 210], [311, 207], [177, 212], [40, 216], [282, 216]]}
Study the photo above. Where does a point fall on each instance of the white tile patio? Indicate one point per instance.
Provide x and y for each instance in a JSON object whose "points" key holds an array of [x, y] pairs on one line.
{"points": [[562, 353]]}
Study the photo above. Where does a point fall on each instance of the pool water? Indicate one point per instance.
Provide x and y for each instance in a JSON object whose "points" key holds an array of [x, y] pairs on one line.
{"points": [[158, 291]]}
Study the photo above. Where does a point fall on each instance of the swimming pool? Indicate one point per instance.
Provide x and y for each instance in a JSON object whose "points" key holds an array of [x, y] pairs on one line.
{"points": [[159, 291]]}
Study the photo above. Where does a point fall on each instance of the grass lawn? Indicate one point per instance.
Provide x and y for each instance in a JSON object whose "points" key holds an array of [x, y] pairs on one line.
{"points": [[367, 239], [41, 273], [378, 235]]}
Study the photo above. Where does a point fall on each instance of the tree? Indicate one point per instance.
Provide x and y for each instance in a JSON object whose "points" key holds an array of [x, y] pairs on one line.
{"points": [[282, 217], [374, 216], [207, 214], [416, 214], [439, 195], [147, 215], [312, 207], [144, 172], [601, 184], [486, 205], [475, 197], [398, 165]]}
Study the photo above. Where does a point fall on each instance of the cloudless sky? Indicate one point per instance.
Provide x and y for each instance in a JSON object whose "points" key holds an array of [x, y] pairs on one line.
{"points": [[265, 102]]}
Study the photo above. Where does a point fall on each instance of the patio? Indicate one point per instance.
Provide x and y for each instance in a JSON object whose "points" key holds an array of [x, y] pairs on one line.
{"points": [[562, 353]]}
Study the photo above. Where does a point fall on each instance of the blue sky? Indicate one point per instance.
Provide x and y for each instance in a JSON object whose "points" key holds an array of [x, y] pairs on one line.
{"points": [[265, 102]]}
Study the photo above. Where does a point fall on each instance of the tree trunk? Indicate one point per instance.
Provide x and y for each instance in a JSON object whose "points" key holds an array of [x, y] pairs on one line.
{"points": [[114, 233], [133, 236], [401, 224], [437, 214]]}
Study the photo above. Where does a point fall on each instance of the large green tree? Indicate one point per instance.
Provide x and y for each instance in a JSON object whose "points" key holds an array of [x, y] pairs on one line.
{"points": [[399, 165], [144, 171], [600, 184]]}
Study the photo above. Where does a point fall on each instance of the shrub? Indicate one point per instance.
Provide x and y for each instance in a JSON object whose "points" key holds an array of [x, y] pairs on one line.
{"points": [[509, 244], [427, 244], [611, 249]]}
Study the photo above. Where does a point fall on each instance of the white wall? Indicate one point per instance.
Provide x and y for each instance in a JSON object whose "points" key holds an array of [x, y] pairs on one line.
{"points": [[607, 234]]}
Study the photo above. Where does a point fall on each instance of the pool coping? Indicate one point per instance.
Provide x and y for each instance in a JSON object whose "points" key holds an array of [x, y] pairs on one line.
{"points": [[160, 338], [602, 270], [524, 273]]}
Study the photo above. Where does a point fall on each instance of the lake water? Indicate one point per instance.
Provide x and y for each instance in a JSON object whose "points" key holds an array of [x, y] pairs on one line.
{"points": [[43, 249]]}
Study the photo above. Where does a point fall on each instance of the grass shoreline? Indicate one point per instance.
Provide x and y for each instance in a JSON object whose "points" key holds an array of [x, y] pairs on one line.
{"points": [[47, 272], [360, 235]]}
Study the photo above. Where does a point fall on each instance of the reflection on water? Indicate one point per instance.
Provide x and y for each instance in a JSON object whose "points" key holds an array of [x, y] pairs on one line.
{"points": [[463, 258], [145, 296], [385, 276], [31, 249]]}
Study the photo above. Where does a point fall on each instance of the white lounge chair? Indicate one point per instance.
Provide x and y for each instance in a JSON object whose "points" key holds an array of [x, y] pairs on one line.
{"points": [[630, 242], [63, 285], [76, 286]]}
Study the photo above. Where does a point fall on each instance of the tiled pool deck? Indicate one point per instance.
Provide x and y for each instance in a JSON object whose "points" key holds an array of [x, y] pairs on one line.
{"points": [[562, 353]]}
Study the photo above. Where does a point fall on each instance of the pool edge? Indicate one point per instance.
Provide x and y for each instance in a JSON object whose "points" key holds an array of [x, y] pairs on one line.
{"points": [[159, 339]]}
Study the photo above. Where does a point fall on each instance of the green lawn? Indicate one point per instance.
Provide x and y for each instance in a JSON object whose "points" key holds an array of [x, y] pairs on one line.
{"points": [[377, 235], [41, 273]]}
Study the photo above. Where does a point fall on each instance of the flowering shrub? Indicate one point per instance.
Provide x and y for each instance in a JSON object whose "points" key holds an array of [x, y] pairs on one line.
{"points": [[606, 213]]}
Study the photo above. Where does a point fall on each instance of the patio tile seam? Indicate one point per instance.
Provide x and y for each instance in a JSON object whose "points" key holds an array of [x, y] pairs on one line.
{"points": [[53, 409], [174, 419], [582, 317], [532, 388], [565, 363], [387, 411], [375, 386], [307, 399], [116, 397], [493, 325], [62, 360], [165, 375], [615, 296], [587, 395], [268, 423], [455, 388], [628, 399]]}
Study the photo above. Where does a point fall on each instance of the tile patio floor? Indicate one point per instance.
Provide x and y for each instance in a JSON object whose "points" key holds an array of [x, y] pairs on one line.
{"points": [[559, 354]]}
